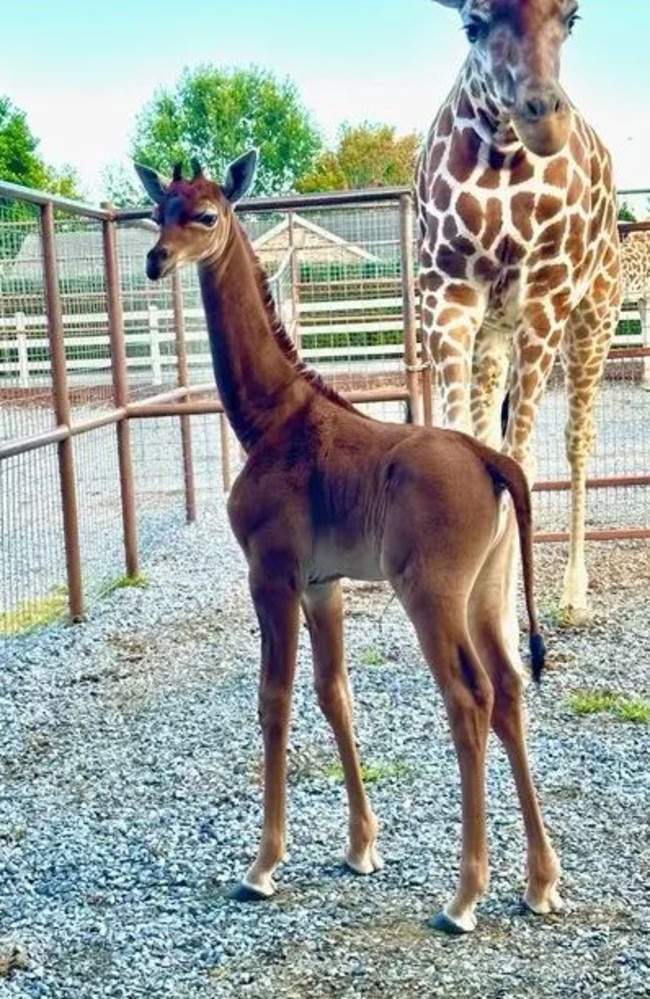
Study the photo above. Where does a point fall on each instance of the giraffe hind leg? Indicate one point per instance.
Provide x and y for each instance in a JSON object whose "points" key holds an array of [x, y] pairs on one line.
{"points": [[323, 609]]}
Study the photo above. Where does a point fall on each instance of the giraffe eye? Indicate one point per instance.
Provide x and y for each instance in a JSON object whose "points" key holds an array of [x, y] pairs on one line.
{"points": [[475, 30], [571, 22], [208, 219]]}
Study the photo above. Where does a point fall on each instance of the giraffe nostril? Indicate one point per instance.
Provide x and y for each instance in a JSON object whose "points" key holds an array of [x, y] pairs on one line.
{"points": [[156, 259], [536, 108], [540, 105]]}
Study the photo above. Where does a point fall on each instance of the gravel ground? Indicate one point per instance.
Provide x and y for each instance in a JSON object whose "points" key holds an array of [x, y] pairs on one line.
{"points": [[130, 803]]}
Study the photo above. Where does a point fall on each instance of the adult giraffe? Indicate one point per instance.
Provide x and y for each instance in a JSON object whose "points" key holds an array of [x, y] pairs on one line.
{"points": [[519, 246], [635, 273], [328, 492]]}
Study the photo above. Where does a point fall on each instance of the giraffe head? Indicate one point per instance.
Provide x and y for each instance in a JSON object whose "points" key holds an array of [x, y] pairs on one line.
{"points": [[194, 215], [515, 54]]}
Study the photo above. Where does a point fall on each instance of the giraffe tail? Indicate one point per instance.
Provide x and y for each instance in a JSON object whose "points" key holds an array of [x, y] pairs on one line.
{"points": [[507, 473]]}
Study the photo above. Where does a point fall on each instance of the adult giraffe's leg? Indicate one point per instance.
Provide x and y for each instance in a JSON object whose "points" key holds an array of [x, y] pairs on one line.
{"points": [[491, 362], [323, 610], [278, 610], [589, 333], [451, 313], [509, 723], [534, 348], [439, 620], [644, 315]]}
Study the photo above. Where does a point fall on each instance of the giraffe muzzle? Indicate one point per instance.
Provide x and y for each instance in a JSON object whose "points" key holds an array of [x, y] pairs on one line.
{"points": [[159, 262], [540, 104], [542, 119]]}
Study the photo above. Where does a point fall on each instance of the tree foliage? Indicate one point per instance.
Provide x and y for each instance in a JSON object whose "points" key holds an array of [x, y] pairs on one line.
{"points": [[217, 114], [367, 155], [625, 213], [121, 186], [21, 163]]}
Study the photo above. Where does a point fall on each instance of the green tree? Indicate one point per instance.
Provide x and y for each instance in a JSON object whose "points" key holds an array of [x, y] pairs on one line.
{"points": [[625, 213], [217, 114], [367, 155], [21, 163], [121, 186]]}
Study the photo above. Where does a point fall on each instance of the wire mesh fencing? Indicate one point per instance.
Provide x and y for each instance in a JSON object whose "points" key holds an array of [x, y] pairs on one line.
{"points": [[111, 432]]}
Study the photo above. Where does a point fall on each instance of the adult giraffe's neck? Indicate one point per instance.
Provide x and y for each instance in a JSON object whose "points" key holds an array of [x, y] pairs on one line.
{"points": [[474, 106], [258, 374]]}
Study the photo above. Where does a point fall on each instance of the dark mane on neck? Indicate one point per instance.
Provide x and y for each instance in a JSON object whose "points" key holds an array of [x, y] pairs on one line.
{"points": [[282, 338]]}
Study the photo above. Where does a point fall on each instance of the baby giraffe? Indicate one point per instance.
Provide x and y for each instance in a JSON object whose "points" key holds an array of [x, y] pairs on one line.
{"points": [[327, 492]]}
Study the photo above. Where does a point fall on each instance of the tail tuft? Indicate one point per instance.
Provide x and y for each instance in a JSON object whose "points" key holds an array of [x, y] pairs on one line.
{"points": [[537, 656]]}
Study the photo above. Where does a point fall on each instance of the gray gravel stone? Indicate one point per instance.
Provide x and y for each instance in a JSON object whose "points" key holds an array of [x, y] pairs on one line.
{"points": [[130, 803]]}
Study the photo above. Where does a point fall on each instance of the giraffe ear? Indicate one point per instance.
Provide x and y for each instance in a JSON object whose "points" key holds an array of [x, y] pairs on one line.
{"points": [[153, 183], [240, 176]]}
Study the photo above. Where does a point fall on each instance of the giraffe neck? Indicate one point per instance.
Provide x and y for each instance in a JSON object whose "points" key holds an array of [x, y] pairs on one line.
{"points": [[474, 105], [259, 376]]}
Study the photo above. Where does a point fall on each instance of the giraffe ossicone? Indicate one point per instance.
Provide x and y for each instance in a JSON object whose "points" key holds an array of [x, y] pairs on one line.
{"points": [[519, 250]]}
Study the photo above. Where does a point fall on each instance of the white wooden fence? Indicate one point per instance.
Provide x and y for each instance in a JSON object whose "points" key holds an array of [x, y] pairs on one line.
{"points": [[149, 334]]}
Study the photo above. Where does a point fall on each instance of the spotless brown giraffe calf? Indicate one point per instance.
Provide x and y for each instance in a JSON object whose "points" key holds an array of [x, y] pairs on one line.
{"points": [[519, 245], [327, 492]]}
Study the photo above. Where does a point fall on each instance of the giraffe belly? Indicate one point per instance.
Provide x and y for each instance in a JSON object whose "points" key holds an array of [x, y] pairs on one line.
{"points": [[333, 559]]}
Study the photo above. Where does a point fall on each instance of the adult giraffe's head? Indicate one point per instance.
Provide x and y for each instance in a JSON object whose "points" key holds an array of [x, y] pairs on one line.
{"points": [[194, 215], [515, 52]]}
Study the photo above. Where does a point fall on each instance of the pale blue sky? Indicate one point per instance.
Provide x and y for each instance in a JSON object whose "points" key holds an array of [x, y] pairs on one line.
{"points": [[82, 69]]}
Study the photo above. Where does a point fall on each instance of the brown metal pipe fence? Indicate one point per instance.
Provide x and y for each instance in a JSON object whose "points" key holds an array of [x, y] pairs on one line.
{"points": [[362, 332], [120, 398], [62, 415]]}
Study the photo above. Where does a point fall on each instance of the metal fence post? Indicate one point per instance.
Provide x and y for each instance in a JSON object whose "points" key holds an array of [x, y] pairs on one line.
{"points": [[644, 315], [225, 452], [62, 413], [23, 356], [295, 279], [183, 382], [411, 360], [120, 397], [154, 345]]}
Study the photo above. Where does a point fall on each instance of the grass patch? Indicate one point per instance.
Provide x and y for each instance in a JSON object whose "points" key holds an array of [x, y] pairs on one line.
{"points": [[373, 657], [123, 583], [32, 614], [372, 772], [592, 702], [635, 710]]}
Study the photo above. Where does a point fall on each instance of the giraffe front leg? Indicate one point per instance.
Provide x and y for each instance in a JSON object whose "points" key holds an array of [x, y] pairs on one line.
{"points": [[323, 609], [452, 313], [490, 368], [585, 351], [277, 606]]}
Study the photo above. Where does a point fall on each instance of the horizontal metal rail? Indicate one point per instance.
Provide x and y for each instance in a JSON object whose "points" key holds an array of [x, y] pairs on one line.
{"points": [[16, 192], [604, 482], [289, 202], [617, 534], [61, 433]]}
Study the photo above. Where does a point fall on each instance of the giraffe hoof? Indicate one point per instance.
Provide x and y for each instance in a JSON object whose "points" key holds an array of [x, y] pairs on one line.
{"points": [[453, 927], [551, 902], [243, 892], [574, 617], [368, 862]]}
